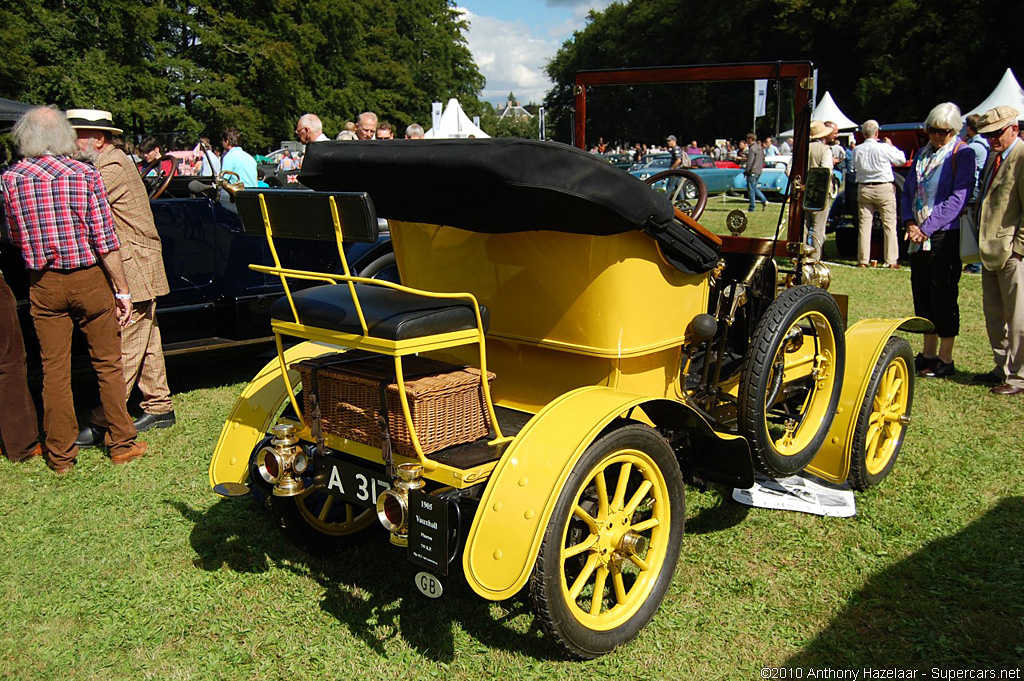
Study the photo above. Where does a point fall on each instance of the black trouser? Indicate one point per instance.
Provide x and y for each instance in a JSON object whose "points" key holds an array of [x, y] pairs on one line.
{"points": [[935, 282]]}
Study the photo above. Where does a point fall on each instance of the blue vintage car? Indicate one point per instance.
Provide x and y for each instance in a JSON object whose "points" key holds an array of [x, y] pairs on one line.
{"points": [[716, 179], [773, 182]]}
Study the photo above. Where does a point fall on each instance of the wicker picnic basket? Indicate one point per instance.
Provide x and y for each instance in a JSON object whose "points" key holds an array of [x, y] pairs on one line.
{"points": [[445, 400]]}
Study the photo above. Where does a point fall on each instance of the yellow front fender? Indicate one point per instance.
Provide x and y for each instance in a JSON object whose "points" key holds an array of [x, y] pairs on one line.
{"points": [[865, 341], [254, 413], [517, 503]]}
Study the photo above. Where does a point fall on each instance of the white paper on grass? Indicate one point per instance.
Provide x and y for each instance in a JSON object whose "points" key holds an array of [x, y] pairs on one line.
{"points": [[803, 493]]}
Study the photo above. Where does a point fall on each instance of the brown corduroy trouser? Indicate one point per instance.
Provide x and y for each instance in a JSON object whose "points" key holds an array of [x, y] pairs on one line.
{"points": [[60, 301], [19, 424]]}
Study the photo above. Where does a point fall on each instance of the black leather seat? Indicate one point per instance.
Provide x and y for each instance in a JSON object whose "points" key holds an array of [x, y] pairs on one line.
{"points": [[392, 315]]}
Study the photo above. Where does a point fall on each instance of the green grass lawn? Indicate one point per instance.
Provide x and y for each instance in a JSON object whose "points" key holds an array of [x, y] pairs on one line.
{"points": [[140, 571]]}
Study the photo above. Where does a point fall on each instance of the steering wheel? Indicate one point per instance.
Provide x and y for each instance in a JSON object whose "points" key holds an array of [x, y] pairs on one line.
{"points": [[158, 184], [226, 175], [691, 194]]}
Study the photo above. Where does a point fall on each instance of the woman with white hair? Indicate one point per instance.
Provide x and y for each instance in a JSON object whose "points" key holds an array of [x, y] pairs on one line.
{"points": [[941, 179]]}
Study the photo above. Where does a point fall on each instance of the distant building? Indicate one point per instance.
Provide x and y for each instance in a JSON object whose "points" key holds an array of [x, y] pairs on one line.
{"points": [[513, 110]]}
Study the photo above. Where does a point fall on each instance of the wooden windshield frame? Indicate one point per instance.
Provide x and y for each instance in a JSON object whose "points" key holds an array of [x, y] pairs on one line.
{"points": [[801, 74]]}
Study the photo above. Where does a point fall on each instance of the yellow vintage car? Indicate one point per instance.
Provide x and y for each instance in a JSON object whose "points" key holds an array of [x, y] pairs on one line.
{"points": [[564, 352]]}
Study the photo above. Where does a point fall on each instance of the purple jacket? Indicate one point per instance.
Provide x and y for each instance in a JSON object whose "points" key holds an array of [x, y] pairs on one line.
{"points": [[953, 192]]}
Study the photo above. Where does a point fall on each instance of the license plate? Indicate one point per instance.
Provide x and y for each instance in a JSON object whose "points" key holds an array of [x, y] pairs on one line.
{"points": [[351, 482]]}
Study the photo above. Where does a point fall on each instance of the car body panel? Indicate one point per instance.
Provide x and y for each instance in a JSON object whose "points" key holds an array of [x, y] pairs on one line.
{"points": [[864, 343]]}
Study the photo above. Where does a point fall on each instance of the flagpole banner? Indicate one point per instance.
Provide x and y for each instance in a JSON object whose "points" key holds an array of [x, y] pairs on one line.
{"points": [[814, 91], [435, 114], [760, 96]]}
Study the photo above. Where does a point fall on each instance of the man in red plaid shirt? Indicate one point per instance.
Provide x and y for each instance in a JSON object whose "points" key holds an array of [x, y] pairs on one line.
{"points": [[58, 215]]}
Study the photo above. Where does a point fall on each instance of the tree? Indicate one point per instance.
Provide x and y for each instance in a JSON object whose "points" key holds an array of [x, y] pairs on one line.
{"points": [[198, 66], [890, 61]]}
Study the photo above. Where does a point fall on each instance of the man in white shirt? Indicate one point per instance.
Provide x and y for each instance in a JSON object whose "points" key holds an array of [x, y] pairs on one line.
{"points": [[310, 129], [873, 162]]}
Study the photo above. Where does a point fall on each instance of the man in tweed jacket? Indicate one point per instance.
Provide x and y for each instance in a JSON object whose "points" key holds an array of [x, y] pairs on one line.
{"points": [[141, 347]]}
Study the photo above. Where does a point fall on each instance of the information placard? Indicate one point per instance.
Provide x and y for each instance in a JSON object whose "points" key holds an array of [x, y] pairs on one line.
{"points": [[428, 532]]}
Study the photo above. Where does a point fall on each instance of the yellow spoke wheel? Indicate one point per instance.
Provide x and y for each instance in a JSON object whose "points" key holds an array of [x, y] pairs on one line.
{"points": [[318, 522], [611, 547], [791, 380], [314, 521], [884, 415]]}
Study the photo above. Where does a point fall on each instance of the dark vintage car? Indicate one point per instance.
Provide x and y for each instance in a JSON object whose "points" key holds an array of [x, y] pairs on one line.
{"points": [[215, 299]]}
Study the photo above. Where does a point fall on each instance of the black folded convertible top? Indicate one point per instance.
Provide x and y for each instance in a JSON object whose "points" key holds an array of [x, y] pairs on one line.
{"points": [[496, 186]]}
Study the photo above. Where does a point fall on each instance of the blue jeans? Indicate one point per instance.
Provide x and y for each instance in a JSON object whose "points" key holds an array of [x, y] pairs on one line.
{"points": [[671, 184], [753, 192]]}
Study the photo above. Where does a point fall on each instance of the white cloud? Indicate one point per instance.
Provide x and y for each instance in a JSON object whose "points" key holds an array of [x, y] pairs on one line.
{"points": [[510, 58]]}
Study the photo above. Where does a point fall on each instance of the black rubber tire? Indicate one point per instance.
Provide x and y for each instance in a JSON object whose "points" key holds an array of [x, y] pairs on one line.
{"points": [[645, 592], [259, 489], [896, 357], [758, 376]]}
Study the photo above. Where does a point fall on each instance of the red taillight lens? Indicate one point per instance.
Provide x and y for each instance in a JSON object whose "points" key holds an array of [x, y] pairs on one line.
{"points": [[391, 511], [269, 466]]}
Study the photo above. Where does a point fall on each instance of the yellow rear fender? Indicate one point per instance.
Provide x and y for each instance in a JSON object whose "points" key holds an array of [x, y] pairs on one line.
{"points": [[517, 503], [865, 341], [254, 413]]}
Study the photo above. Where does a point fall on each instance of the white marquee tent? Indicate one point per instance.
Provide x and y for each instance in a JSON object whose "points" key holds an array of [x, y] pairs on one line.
{"points": [[1007, 93], [827, 110], [455, 124]]}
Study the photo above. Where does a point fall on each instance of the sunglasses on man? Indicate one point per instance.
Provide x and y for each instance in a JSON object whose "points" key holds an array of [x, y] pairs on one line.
{"points": [[994, 134]]}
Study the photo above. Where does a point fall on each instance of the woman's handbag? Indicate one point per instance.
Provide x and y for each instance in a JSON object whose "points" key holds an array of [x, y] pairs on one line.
{"points": [[969, 237]]}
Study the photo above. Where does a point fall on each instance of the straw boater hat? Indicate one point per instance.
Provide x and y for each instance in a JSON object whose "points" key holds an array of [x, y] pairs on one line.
{"points": [[92, 119], [819, 130], [997, 119]]}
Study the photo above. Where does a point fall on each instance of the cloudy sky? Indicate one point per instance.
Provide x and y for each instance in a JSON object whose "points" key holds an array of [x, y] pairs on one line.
{"points": [[512, 40]]}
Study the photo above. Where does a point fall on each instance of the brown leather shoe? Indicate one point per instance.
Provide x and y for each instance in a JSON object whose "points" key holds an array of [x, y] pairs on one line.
{"points": [[1006, 389], [135, 451], [860, 264], [38, 450]]}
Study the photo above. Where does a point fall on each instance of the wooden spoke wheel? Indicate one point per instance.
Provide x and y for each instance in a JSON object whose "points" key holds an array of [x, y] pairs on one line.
{"points": [[611, 546]]}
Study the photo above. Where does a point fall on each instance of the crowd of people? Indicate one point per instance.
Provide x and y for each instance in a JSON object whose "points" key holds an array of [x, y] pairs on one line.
{"points": [[205, 158], [720, 150], [962, 200], [78, 210]]}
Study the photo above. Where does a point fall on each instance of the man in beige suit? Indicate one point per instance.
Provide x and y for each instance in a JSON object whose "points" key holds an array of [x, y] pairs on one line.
{"points": [[818, 156], [141, 347], [1001, 244]]}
